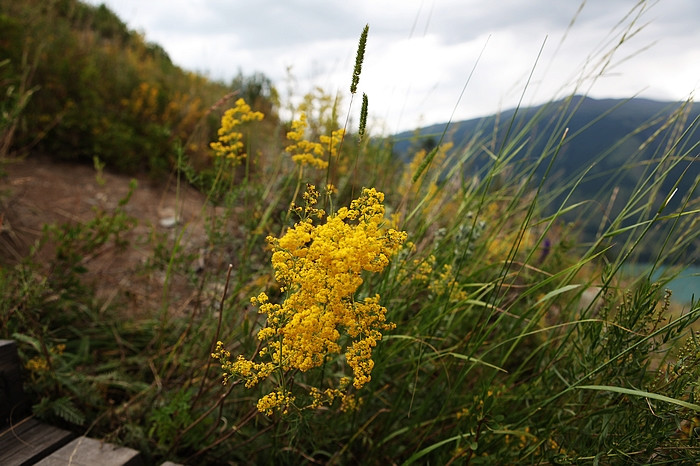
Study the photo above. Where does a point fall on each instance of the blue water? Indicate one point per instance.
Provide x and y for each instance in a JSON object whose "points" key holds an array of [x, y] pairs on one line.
{"points": [[683, 287]]}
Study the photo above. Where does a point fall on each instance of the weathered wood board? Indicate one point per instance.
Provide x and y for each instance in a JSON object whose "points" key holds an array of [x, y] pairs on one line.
{"points": [[85, 451], [29, 440], [13, 406]]}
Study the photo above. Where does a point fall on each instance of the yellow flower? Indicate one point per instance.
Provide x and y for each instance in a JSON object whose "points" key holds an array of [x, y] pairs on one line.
{"points": [[305, 152], [276, 401], [230, 141], [321, 267], [332, 141], [37, 364]]}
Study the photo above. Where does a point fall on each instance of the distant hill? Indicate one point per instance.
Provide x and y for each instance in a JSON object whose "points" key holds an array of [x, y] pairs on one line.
{"points": [[618, 140]]}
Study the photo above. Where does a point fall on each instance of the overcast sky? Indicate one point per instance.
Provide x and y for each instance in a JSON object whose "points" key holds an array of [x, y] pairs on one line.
{"points": [[421, 53]]}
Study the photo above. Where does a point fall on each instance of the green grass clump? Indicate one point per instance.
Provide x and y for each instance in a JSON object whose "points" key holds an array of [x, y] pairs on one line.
{"points": [[490, 334]]}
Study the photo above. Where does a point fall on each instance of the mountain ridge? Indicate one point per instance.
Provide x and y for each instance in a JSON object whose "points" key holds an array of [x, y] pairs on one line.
{"points": [[618, 142]]}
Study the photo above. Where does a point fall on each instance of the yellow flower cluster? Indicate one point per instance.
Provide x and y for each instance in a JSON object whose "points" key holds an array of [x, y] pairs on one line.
{"points": [[230, 143], [310, 197], [348, 402], [279, 400], [423, 269], [333, 141], [39, 364], [306, 152], [241, 368], [320, 268], [439, 280], [427, 191], [445, 283]]}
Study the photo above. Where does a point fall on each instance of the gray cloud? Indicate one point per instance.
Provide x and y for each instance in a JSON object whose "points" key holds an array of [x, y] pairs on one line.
{"points": [[420, 52]]}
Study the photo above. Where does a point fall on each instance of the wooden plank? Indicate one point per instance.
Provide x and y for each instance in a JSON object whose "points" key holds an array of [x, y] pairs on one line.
{"points": [[13, 404], [29, 440], [85, 451]]}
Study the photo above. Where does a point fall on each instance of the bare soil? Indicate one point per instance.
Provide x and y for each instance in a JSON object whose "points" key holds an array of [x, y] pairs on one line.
{"points": [[37, 191]]}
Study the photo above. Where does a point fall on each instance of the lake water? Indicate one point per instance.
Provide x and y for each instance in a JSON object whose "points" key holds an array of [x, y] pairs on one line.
{"points": [[684, 286]]}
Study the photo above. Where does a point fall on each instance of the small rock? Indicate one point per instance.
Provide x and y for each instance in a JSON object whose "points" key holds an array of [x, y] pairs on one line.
{"points": [[168, 217]]}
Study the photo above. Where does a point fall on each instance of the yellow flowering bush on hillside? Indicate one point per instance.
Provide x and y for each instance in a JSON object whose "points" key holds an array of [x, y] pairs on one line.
{"points": [[320, 268]]}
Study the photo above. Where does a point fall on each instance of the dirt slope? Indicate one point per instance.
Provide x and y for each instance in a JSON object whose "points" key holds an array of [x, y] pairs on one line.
{"points": [[37, 191]]}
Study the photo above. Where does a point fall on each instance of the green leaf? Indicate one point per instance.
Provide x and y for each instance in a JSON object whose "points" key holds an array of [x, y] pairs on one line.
{"points": [[66, 410], [33, 342], [419, 454], [556, 292], [478, 361], [641, 393]]}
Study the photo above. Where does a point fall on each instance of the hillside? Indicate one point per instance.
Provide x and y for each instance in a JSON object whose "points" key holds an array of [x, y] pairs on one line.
{"points": [[87, 87], [39, 191]]}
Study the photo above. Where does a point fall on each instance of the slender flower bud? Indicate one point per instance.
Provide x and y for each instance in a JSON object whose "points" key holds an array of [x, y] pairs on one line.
{"points": [[363, 116], [425, 163], [359, 59]]}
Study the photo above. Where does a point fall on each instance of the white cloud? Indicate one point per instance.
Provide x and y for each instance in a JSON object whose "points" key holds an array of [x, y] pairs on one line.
{"points": [[420, 53]]}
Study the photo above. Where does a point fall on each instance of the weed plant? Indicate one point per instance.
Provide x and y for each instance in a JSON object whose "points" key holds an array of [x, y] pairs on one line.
{"points": [[431, 312]]}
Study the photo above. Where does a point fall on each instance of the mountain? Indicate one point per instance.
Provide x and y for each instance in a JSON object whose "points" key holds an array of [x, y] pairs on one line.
{"points": [[619, 142]]}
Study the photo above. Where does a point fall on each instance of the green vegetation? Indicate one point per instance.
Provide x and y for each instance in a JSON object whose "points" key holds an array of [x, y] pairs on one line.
{"points": [[616, 140], [100, 90], [489, 333]]}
